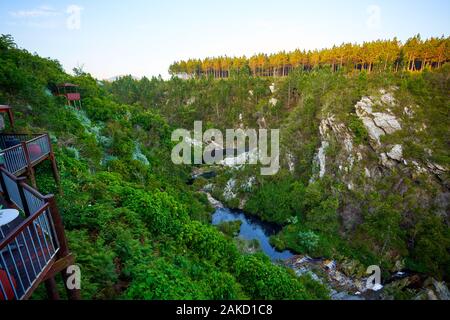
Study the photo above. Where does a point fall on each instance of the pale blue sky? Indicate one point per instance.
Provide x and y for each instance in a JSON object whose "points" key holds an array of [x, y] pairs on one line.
{"points": [[143, 37]]}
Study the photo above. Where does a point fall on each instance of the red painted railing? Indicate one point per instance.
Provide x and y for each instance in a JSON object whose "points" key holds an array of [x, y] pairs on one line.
{"points": [[29, 249], [27, 151]]}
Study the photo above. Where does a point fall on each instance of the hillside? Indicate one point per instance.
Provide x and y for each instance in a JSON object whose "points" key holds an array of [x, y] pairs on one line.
{"points": [[364, 177]]}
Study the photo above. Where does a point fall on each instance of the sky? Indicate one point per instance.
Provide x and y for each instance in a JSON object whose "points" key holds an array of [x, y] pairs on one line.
{"points": [[143, 37]]}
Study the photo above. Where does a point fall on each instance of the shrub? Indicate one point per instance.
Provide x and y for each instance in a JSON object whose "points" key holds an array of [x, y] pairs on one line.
{"points": [[161, 212], [263, 280]]}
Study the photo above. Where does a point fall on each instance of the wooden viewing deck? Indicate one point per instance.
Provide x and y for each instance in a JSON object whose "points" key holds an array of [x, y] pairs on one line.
{"points": [[22, 152], [33, 247]]}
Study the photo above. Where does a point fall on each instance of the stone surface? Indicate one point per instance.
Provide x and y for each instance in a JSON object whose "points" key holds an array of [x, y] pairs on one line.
{"points": [[322, 159], [396, 153], [273, 102], [374, 132], [228, 192], [377, 124], [386, 122], [272, 88], [386, 162]]}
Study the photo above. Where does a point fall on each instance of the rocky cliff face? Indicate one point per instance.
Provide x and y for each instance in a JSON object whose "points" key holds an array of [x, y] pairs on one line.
{"points": [[375, 159]]}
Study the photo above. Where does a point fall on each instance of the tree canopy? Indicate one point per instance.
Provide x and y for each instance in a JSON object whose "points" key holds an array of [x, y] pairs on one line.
{"points": [[414, 55]]}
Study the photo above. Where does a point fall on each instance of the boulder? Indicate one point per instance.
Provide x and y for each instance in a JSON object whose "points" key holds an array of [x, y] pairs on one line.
{"points": [[396, 153], [273, 102], [374, 132], [385, 161], [388, 123], [376, 123]]}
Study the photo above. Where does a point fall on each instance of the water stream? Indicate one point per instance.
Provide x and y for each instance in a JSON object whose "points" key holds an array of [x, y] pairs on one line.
{"points": [[252, 229]]}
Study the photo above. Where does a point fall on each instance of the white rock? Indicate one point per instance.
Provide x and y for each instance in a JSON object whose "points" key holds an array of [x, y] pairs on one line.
{"points": [[215, 203], [364, 106], [396, 153], [291, 162], [228, 192], [376, 123], [374, 132], [386, 162], [321, 158], [348, 143], [247, 186], [272, 88], [388, 123], [273, 101]]}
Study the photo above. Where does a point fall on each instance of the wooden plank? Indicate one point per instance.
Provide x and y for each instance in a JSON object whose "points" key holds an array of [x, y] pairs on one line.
{"points": [[60, 265]]}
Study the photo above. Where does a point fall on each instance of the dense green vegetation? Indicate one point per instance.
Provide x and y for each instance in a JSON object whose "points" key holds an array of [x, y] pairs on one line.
{"points": [[137, 229]]}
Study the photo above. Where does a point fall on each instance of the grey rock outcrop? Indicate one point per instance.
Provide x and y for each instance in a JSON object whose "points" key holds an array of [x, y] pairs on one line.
{"points": [[396, 153], [377, 123]]}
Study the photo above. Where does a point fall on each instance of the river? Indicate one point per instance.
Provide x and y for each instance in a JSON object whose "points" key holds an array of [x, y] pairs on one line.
{"points": [[252, 229]]}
